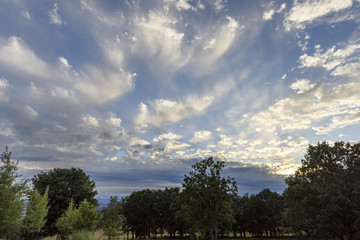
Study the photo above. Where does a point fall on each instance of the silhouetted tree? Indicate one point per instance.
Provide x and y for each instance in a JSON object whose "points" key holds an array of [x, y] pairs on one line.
{"points": [[323, 197], [207, 197]]}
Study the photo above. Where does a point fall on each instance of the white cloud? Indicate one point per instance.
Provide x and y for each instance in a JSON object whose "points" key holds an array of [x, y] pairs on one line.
{"points": [[90, 120], [183, 5], [158, 38], [30, 112], [138, 142], [225, 141], [64, 62], [3, 86], [113, 159], [341, 59], [99, 86], [301, 86], [214, 44], [15, 54], [321, 104], [219, 5], [304, 12], [174, 146], [349, 69], [26, 15], [113, 121], [164, 111], [167, 136], [201, 136], [268, 15], [54, 16]]}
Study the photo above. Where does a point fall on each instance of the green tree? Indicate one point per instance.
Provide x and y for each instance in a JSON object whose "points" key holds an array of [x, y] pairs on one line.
{"points": [[111, 218], [208, 197], [88, 217], [12, 192], [68, 220], [84, 218], [36, 212], [64, 185], [323, 197]]}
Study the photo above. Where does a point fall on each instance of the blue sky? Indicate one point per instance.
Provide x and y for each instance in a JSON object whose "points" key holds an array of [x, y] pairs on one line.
{"points": [[134, 92]]}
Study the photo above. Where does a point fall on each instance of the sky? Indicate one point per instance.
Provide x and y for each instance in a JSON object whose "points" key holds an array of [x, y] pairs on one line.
{"points": [[135, 92]]}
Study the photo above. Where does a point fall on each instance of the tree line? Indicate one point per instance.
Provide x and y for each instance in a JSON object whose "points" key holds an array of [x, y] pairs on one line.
{"points": [[321, 201]]}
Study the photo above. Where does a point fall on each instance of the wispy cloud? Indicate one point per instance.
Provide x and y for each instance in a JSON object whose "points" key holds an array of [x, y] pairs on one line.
{"points": [[54, 16], [306, 12]]}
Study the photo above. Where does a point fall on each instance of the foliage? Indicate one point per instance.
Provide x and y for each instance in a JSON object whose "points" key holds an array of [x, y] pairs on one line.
{"points": [[83, 218], [12, 192], [323, 197], [64, 185], [36, 212], [111, 218], [139, 212], [67, 222], [207, 197]]}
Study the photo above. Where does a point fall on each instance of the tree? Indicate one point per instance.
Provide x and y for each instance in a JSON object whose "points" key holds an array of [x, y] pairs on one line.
{"points": [[111, 217], [67, 222], [36, 212], [323, 197], [64, 185], [12, 192], [208, 197], [138, 210], [265, 213], [83, 218]]}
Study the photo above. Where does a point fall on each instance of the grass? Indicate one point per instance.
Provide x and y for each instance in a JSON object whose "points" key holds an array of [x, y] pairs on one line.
{"points": [[99, 234]]}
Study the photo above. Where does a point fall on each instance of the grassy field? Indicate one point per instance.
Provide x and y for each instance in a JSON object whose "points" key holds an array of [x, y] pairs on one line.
{"points": [[99, 234]]}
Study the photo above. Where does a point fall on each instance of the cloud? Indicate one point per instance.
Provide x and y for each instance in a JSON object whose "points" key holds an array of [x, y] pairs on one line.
{"points": [[158, 39], [268, 15], [339, 61], [301, 86], [304, 12], [17, 56], [223, 40], [323, 102], [102, 85], [201, 136], [219, 5], [3, 87], [26, 15], [167, 136], [163, 112], [54, 16]]}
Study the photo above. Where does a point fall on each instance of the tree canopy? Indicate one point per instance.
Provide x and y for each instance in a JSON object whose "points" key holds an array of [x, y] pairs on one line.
{"points": [[64, 185], [208, 197], [323, 197]]}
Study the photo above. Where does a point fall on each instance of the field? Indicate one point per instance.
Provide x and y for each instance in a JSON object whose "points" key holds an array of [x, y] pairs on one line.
{"points": [[99, 234]]}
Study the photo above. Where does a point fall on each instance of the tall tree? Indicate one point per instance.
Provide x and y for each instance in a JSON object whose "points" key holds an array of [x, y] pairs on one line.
{"points": [[64, 185], [12, 192], [323, 197], [138, 210], [111, 218], [36, 212], [208, 196]]}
